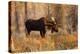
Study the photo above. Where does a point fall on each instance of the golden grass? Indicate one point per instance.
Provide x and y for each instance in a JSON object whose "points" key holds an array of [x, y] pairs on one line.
{"points": [[34, 42], [66, 42]]}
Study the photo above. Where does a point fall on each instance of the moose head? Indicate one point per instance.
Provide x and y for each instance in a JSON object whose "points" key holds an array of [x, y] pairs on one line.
{"points": [[54, 25]]}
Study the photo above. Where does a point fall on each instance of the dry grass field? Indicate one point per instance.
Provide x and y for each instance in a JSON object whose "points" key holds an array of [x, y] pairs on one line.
{"points": [[34, 42]]}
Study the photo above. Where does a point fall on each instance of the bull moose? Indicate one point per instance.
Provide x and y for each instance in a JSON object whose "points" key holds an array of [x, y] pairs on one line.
{"points": [[38, 25]]}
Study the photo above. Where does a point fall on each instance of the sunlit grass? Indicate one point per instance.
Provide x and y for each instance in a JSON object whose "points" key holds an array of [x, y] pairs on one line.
{"points": [[34, 42]]}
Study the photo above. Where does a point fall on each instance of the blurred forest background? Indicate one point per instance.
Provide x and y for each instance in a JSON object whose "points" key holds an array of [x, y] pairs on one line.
{"points": [[66, 18]]}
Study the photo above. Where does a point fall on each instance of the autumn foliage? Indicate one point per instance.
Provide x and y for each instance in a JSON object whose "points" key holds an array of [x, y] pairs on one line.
{"points": [[66, 17]]}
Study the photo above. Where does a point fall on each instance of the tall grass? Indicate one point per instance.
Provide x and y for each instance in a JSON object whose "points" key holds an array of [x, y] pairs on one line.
{"points": [[34, 42]]}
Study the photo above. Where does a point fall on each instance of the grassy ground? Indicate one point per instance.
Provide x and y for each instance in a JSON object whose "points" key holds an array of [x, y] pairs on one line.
{"points": [[34, 42]]}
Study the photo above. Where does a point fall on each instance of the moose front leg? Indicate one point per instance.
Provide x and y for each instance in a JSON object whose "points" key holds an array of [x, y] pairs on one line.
{"points": [[42, 34]]}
